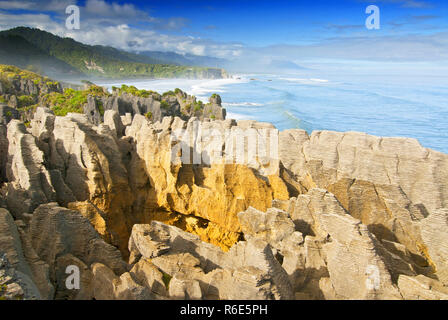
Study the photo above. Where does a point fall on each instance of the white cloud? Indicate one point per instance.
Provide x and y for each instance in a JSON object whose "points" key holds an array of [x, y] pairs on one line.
{"points": [[16, 5], [100, 10], [40, 21], [386, 48], [404, 3], [34, 5], [113, 24]]}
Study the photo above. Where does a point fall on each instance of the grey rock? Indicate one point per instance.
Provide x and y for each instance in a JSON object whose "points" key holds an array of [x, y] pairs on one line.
{"points": [[91, 110], [421, 288], [3, 153], [15, 285], [26, 172], [434, 231], [7, 114], [184, 289], [148, 275], [179, 253], [57, 231]]}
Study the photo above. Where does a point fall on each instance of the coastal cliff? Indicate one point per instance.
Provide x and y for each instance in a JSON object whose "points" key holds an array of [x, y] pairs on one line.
{"points": [[333, 216]]}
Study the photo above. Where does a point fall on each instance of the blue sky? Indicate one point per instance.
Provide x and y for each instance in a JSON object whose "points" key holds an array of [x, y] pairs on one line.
{"points": [[247, 30], [261, 23]]}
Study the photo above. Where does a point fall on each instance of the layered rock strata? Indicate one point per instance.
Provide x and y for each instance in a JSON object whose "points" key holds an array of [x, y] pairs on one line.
{"points": [[146, 215]]}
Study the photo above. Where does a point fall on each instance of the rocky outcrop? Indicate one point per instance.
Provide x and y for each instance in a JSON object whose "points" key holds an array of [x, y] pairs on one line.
{"points": [[22, 91], [15, 82], [125, 103], [29, 180], [71, 161], [192, 190], [421, 288], [64, 238], [3, 153], [7, 114], [402, 162], [331, 255], [53, 234], [200, 270], [190, 107], [155, 107], [15, 285], [139, 195], [21, 261], [434, 231], [390, 184]]}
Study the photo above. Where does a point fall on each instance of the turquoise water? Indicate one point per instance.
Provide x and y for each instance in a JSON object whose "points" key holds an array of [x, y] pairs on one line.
{"points": [[393, 107]]}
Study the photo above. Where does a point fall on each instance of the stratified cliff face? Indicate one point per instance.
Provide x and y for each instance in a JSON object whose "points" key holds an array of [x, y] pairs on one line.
{"points": [[392, 185], [333, 216], [117, 181]]}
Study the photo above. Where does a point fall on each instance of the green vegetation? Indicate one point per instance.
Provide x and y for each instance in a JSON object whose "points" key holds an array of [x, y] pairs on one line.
{"points": [[135, 92], [74, 100], [168, 93], [87, 82], [164, 105], [214, 96], [10, 73], [32, 107], [213, 117], [2, 99], [52, 84], [70, 56], [69, 101], [148, 115], [198, 106], [97, 91], [3, 289], [177, 91], [100, 107], [166, 279], [8, 113], [25, 101]]}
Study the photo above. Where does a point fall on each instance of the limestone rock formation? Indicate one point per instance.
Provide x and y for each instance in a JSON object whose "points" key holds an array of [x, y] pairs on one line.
{"points": [[390, 184], [29, 180], [192, 190], [146, 196], [7, 114], [421, 288], [21, 261], [15, 285], [434, 230], [3, 153], [57, 231], [248, 271], [336, 257]]}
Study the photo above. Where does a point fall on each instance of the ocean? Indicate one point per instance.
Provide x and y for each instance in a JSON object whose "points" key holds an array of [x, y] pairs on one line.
{"points": [[395, 106]]}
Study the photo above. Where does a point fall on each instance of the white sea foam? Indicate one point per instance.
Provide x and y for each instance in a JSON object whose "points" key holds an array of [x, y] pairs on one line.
{"points": [[203, 88], [242, 104], [237, 116], [199, 88], [305, 81], [319, 80]]}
